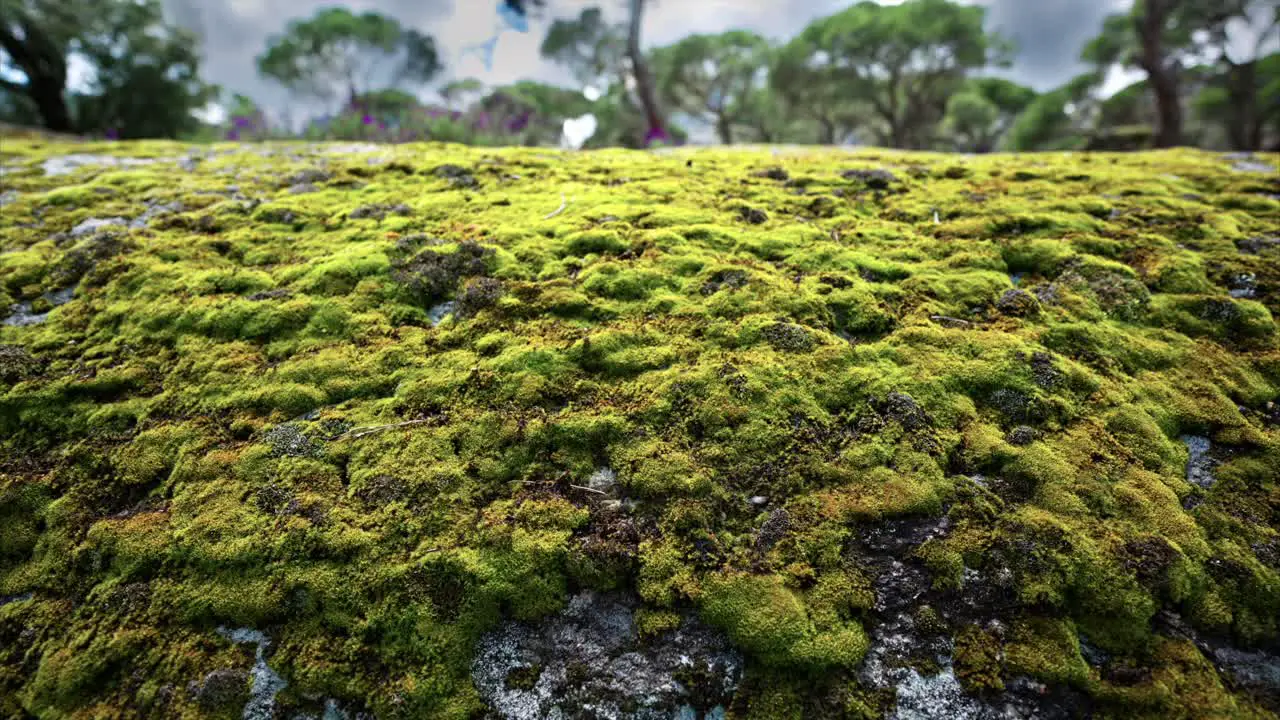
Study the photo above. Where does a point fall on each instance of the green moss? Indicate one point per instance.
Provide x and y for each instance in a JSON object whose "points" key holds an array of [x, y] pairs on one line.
{"points": [[772, 623], [248, 414], [1047, 650]]}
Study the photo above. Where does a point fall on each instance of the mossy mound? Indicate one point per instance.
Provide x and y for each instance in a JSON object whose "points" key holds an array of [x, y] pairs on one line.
{"points": [[1019, 415]]}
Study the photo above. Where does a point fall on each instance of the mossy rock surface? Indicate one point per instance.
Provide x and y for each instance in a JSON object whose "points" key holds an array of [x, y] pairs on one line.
{"points": [[915, 433]]}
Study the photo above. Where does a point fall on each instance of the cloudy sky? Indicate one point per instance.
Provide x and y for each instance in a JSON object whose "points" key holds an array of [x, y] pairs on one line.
{"points": [[1049, 33]]}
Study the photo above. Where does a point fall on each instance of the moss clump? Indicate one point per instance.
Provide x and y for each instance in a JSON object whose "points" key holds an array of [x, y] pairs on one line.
{"points": [[432, 275], [772, 623], [375, 408]]}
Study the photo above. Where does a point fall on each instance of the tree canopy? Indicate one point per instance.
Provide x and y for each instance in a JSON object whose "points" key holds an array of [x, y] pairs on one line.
{"points": [[337, 51]]}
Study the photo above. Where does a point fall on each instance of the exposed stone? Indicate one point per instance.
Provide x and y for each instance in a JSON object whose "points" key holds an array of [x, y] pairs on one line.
{"points": [[773, 173], [266, 683], [93, 225], [789, 337], [1243, 285], [588, 661], [1022, 435], [154, 210], [873, 179], [725, 279], [1018, 303], [1200, 465], [23, 314], [437, 313], [755, 216], [477, 295], [775, 528], [1257, 245], [287, 440], [66, 164], [221, 689]]}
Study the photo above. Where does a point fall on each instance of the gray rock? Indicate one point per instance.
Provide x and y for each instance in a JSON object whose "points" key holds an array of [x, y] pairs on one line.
{"points": [[221, 689], [1246, 162], [1258, 670], [154, 210], [287, 440], [21, 315], [1256, 245], [1243, 285], [93, 225], [933, 697], [605, 480], [66, 164], [588, 661], [1200, 465], [266, 682], [438, 313], [7, 599]]}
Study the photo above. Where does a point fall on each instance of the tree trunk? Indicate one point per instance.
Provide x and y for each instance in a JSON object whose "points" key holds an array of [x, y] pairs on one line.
{"points": [[1162, 75], [898, 134], [46, 70], [724, 129], [49, 100], [640, 69], [828, 134], [1243, 127]]}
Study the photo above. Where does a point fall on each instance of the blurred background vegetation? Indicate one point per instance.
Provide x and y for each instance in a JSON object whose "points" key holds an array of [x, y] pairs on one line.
{"points": [[921, 74]]}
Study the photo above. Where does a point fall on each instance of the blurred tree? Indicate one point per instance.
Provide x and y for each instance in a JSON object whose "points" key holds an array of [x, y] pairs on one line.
{"points": [[767, 115], [37, 36], [144, 79], [904, 60], [713, 77], [1235, 33], [595, 51], [980, 115], [338, 49], [1244, 127], [645, 86], [387, 102], [601, 54], [1158, 37], [1061, 119], [534, 111], [1167, 39], [592, 49], [456, 91], [147, 74], [799, 80]]}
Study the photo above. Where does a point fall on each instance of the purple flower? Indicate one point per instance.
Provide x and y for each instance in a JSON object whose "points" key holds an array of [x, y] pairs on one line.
{"points": [[233, 134], [656, 135], [367, 119], [519, 122], [113, 134], [382, 125], [242, 121]]}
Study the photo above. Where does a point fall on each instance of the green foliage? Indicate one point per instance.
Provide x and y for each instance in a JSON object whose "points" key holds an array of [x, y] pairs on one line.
{"points": [[713, 76], [145, 79], [979, 116], [328, 53], [882, 55]]}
